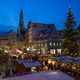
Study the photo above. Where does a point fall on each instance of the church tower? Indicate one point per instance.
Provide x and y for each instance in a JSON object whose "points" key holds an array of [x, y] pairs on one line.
{"points": [[21, 30]]}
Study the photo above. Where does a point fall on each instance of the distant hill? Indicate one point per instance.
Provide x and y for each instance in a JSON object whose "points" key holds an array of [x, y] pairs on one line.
{"points": [[6, 28]]}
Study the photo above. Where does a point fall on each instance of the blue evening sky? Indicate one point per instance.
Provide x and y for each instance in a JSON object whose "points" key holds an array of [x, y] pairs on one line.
{"points": [[42, 11]]}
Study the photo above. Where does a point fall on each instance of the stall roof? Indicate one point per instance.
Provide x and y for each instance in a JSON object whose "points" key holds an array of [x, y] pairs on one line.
{"points": [[66, 57], [55, 58], [32, 64], [67, 61], [35, 51], [77, 59], [77, 62], [22, 61]]}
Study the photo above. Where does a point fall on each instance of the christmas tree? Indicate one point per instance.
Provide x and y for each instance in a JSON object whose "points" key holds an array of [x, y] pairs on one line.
{"points": [[70, 45]]}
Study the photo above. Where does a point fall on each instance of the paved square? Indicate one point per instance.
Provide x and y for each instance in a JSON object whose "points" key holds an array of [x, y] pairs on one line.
{"points": [[45, 75]]}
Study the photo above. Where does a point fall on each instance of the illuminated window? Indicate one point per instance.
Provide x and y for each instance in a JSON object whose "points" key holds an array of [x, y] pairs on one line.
{"points": [[53, 44], [59, 51], [45, 44], [78, 43], [52, 51], [57, 44], [60, 44], [50, 44], [41, 44]]}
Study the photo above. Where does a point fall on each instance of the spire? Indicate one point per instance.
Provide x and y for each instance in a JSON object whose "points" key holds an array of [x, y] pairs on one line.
{"points": [[21, 20], [29, 23], [21, 29]]}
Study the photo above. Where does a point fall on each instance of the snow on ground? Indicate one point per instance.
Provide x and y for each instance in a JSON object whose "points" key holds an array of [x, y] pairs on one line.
{"points": [[45, 75]]}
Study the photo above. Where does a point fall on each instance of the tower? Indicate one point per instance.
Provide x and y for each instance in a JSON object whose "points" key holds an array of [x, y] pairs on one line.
{"points": [[21, 29]]}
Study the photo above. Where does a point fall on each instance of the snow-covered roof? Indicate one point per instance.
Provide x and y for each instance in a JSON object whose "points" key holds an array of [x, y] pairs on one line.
{"points": [[67, 57], [35, 51], [29, 64], [46, 75], [77, 59], [42, 55], [22, 61], [32, 64], [55, 58], [67, 61], [77, 62]]}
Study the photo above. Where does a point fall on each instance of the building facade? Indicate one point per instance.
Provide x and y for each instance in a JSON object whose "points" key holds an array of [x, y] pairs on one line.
{"points": [[44, 37], [8, 39], [55, 42]]}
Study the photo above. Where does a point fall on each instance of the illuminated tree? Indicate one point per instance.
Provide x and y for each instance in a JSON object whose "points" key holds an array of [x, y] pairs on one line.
{"points": [[70, 45]]}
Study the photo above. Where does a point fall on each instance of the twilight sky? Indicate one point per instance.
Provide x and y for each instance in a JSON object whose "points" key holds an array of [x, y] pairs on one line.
{"points": [[43, 11]]}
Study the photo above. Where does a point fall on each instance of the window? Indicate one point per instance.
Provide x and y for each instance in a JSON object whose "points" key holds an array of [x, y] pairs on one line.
{"points": [[59, 51], [57, 44], [60, 44], [53, 44], [50, 44], [41, 44], [78, 43], [52, 51], [38, 44], [45, 44]]}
